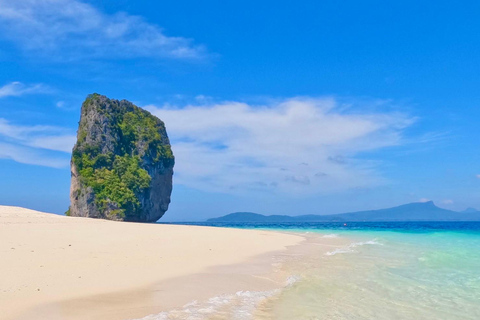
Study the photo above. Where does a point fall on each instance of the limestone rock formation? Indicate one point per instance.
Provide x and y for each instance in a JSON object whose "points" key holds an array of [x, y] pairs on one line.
{"points": [[122, 163]]}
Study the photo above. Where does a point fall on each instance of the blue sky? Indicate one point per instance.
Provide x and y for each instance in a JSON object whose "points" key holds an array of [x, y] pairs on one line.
{"points": [[305, 107]]}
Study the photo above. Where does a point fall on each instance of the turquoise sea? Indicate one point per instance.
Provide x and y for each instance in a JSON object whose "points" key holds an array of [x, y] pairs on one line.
{"points": [[374, 271]]}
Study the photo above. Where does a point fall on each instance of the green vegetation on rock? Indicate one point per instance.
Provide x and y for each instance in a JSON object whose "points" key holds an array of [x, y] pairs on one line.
{"points": [[117, 142]]}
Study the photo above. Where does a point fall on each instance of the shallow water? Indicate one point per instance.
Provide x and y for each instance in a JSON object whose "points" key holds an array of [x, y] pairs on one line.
{"points": [[388, 275], [381, 271]]}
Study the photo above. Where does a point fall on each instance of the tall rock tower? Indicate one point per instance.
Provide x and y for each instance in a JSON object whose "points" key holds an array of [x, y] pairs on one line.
{"points": [[122, 163]]}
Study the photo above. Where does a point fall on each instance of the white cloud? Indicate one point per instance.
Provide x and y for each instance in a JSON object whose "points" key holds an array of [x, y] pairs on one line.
{"points": [[447, 201], [478, 176], [31, 156], [21, 132], [66, 106], [43, 137], [28, 144], [62, 143], [299, 145], [16, 89], [71, 28], [424, 200]]}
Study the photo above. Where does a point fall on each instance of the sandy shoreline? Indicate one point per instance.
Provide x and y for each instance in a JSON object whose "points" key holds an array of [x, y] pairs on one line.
{"points": [[56, 267]]}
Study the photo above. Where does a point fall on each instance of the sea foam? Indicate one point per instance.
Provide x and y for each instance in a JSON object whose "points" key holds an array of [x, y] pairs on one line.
{"points": [[238, 306], [332, 235], [351, 246]]}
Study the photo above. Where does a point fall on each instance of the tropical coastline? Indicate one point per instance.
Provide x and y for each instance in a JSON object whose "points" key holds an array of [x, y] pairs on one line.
{"points": [[57, 267], [239, 160]]}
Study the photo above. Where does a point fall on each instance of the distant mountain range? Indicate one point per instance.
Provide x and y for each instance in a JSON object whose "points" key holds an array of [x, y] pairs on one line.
{"points": [[417, 211]]}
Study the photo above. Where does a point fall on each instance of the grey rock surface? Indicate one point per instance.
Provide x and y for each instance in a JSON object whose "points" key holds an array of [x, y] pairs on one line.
{"points": [[122, 163]]}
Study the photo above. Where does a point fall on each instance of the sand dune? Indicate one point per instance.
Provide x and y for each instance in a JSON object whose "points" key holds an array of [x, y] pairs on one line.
{"points": [[55, 267]]}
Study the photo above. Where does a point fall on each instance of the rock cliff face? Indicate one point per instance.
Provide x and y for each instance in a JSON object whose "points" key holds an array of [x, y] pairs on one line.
{"points": [[122, 163]]}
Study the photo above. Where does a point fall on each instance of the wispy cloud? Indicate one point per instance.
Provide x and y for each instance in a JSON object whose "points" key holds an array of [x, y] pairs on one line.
{"points": [[26, 155], [16, 89], [73, 29], [30, 144], [43, 137], [299, 145]]}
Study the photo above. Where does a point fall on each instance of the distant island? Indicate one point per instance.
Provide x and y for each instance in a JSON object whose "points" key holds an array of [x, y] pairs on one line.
{"points": [[417, 211], [122, 163]]}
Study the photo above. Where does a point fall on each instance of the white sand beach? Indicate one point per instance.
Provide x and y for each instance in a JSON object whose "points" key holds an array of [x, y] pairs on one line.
{"points": [[57, 267]]}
